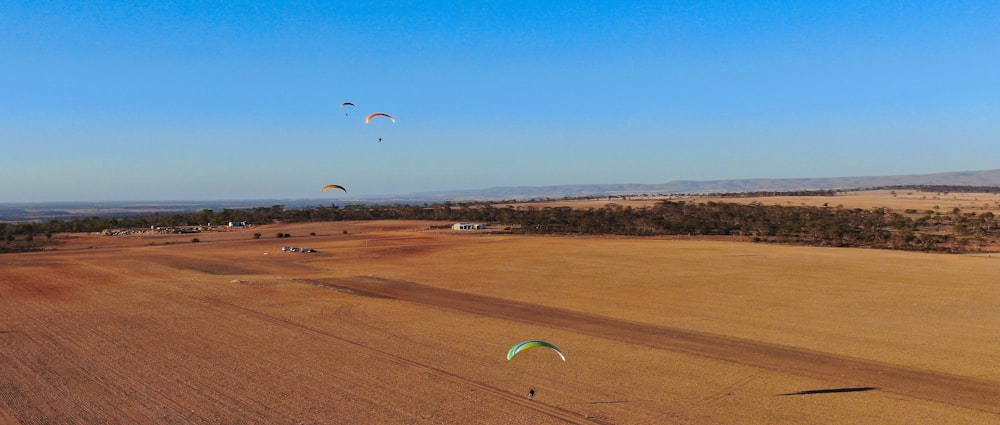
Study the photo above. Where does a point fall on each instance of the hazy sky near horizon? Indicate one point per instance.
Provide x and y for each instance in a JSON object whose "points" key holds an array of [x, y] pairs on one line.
{"points": [[199, 100]]}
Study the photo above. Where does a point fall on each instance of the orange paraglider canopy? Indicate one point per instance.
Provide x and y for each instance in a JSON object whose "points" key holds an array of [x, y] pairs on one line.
{"points": [[379, 114]]}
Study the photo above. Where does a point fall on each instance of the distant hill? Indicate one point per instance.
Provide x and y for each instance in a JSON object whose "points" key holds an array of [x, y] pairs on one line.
{"points": [[27, 212], [967, 178]]}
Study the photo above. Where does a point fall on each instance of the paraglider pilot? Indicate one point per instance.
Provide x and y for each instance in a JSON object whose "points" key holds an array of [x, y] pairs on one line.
{"points": [[531, 393]]}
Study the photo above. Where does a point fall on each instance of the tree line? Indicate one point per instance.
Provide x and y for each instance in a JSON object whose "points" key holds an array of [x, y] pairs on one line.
{"points": [[952, 231], [803, 225]]}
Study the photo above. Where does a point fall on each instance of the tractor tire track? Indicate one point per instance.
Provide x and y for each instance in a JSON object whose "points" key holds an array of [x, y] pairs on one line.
{"points": [[549, 410]]}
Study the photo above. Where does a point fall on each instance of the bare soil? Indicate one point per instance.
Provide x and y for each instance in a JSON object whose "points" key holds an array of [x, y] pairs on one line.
{"points": [[895, 200], [397, 324]]}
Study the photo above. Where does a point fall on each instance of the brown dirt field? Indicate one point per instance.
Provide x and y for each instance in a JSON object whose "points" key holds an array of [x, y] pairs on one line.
{"points": [[391, 323], [900, 202]]}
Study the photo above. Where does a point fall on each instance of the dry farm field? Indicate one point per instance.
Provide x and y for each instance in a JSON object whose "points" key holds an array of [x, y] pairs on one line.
{"points": [[900, 201], [392, 323]]}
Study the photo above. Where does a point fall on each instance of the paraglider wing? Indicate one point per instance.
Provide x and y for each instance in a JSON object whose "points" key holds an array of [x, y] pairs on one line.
{"points": [[347, 104], [379, 114], [333, 186], [517, 348]]}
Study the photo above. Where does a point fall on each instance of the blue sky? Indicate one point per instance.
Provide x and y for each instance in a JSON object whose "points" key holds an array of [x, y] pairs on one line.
{"points": [[205, 100]]}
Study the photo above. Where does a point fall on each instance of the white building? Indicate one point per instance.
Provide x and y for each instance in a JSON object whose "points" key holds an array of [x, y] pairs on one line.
{"points": [[467, 226]]}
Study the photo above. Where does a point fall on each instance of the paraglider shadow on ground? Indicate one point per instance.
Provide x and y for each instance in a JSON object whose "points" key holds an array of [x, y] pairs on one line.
{"points": [[831, 391]]}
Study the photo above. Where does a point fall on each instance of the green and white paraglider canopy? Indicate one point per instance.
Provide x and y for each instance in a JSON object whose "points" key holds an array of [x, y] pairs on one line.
{"points": [[519, 347]]}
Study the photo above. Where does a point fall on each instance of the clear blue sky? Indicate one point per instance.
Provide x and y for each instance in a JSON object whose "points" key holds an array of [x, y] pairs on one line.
{"points": [[199, 100]]}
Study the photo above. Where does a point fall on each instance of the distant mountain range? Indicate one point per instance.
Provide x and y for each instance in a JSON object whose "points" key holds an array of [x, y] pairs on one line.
{"points": [[967, 178], [24, 212]]}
